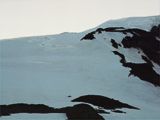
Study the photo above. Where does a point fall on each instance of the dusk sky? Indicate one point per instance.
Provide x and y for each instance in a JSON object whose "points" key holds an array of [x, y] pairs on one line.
{"points": [[20, 18]]}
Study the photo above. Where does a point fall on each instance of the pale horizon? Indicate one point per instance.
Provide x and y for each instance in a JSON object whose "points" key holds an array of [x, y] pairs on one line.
{"points": [[20, 18]]}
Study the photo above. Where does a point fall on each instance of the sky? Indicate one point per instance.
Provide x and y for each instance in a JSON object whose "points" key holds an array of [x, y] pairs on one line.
{"points": [[20, 18]]}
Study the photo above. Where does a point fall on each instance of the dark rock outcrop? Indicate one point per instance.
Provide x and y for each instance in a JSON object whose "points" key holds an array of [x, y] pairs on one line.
{"points": [[89, 36], [6, 110], [115, 44], [156, 31], [104, 102], [83, 112], [78, 112], [144, 71], [118, 111], [146, 41]]}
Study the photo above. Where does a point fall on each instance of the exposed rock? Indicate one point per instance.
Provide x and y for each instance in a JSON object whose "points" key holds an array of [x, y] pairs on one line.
{"points": [[24, 108], [146, 41], [78, 112], [89, 36], [115, 44], [144, 71], [104, 102], [118, 111], [83, 112]]}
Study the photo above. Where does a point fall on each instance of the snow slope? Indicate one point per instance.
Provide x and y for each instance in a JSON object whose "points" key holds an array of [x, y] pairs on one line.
{"points": [[48, 69]]}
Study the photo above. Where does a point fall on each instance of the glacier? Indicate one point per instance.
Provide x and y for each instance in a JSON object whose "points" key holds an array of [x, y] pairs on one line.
{"points": [[48, 69]]}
